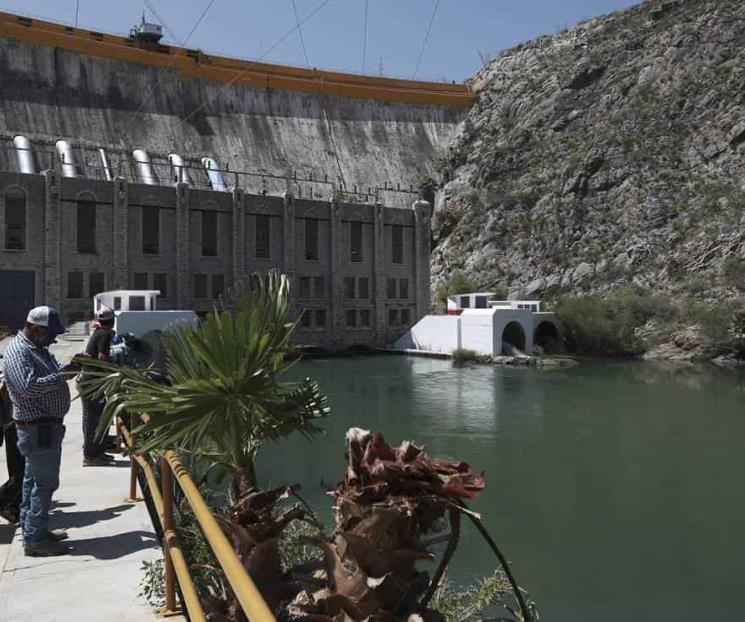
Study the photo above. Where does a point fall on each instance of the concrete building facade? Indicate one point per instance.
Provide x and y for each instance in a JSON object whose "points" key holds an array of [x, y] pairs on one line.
{"points": [[360, 273]]}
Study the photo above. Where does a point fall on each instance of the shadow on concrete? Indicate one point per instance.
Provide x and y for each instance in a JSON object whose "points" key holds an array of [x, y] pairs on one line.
{"points": [[113, 547], [7, 531], [63, 504], [68, 520]]}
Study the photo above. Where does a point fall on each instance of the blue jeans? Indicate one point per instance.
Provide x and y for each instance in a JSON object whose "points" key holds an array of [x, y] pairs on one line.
{"points": [[92, 410], [40, 480]]}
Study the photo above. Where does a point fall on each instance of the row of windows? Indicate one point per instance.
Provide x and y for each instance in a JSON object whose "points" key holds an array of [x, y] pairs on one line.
{"points": [[402, 289], [362, 290], [76, 280], [209, 285], [354, 318], [154, 280], [15, 231], [319, 287]]}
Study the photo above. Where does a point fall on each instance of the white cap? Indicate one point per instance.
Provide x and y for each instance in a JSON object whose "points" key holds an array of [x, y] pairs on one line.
{"points": [[48, 317], [105, 314]]}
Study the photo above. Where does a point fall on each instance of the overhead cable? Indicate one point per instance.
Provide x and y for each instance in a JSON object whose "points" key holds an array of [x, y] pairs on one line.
{"points": [[242, 73], [426, 38], [149, 94], [364, 39], [300, 32]]}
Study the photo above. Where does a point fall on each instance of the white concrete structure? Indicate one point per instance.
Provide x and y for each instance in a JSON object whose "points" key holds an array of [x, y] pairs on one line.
{"points": [[136, 312], [489, 327]]}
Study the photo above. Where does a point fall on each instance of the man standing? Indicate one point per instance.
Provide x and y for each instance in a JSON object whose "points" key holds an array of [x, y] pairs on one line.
{"points": [[41, 398], [10, 491], [99, 347]]}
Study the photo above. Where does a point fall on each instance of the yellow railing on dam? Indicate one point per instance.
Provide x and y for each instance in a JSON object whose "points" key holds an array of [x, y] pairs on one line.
{"points": [[196, 64], [250, 599]]}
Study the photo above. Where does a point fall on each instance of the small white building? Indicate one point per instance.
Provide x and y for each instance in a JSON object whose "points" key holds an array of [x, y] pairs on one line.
{"points": [[478, 322], [136, 312]]}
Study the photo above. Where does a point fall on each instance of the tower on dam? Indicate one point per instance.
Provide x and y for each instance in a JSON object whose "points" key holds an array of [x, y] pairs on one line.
{"points": [[128, 163]]}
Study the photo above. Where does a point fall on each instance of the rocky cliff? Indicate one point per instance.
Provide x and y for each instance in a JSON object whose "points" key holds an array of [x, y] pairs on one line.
{"points": [[612, 153]]}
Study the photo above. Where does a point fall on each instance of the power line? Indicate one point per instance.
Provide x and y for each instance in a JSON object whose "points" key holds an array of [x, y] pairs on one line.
{"points": [[149, 94], [426, 38], [364, 39], [77, 10], [284, 37], [232, 81], [300, 32]]}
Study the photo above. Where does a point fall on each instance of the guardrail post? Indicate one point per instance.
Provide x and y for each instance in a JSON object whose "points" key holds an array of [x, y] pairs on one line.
{"points": [[166, 482], [133, 466]]}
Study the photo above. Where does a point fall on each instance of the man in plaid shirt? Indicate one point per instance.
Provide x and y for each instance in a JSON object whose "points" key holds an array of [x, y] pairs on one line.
{"points": [[41, 398]]}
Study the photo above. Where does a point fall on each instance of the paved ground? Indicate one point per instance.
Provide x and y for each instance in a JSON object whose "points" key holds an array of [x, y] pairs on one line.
{"points": [[110, 537]]}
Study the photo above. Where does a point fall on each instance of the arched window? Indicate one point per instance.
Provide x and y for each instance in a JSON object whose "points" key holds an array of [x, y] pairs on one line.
{"points": [[15, 220], [86, 224]]}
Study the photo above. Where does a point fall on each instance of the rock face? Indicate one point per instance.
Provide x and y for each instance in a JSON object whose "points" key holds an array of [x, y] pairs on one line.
{"points": [[612, 153]]}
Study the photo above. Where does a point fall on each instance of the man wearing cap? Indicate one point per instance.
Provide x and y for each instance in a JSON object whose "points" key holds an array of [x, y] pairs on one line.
{"points": [[41, 399], [99, 347]]}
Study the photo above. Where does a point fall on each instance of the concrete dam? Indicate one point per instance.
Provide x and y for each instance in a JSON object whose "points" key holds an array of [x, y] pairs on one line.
{"points": [[97, 90]]}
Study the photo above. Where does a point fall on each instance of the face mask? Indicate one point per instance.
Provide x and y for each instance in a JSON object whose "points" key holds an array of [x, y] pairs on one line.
{"points": [[44, 340]]}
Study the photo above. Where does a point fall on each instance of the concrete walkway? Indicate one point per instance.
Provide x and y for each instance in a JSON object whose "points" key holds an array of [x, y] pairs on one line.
{"points": [[110, 537]]}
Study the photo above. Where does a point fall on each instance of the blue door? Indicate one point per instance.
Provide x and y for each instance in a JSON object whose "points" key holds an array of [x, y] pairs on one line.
{"points": [[16, 297]]}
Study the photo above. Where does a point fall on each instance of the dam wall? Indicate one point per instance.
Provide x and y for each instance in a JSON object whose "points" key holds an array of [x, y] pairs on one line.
{"points": [[93, 90]]}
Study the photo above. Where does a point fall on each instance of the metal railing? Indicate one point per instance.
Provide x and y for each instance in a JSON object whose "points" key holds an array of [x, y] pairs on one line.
{"points": [[251, 601]]}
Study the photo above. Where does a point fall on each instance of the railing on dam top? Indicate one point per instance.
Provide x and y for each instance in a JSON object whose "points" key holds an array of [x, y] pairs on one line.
{"points": [[196, 64], [249, 598], [87, 162]]}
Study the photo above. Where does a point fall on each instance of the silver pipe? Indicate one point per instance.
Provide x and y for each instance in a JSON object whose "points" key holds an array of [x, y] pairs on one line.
{"points": [[143, 168], [214, 174], [67, 158], [179, 168], [105, 165], [25, 155]]}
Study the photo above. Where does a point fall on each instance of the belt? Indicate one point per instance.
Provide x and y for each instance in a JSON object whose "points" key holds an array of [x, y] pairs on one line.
{"points": [[44, 420]]}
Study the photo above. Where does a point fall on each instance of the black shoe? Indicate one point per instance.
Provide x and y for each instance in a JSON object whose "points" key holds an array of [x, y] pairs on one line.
{"points": [[10, 515], [50, 548], [99, 461]]}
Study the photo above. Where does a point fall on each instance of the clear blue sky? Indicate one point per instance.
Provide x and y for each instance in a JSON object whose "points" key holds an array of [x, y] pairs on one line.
{"points": [[333, 37]]}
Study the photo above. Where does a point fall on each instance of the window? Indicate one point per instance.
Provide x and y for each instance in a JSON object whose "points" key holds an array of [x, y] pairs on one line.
{"points": [[137, 303], [351, 317], [398, 244], [403, 288], [348, 287], [200, 286], [465, 302], [365, 317], [139, 280], [355, 239], [150, 230], [218, 285], [262, 237], [305, 319], [481, 302], [96, 283], [304, 287], [320, 318], [363, 287], [74, 284], [319, 287], [311, 239], [160, 282], [392, 317], [117, 303], [15, 220], [86, 226], [391, 290], [405, 316], [209, 233]]}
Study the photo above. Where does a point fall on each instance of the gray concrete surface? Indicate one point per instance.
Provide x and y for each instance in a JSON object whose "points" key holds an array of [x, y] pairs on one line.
{"points": [[110, 538]]}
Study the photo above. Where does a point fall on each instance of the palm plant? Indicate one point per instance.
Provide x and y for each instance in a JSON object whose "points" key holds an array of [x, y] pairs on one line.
{"points": [[223, 401]]}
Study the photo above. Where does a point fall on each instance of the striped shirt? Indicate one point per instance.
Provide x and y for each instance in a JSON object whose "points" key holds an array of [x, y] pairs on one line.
{"points": [[37, 388]]}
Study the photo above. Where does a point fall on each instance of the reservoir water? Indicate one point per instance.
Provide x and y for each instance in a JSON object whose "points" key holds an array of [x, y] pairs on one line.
{"points": [[616, 489]]}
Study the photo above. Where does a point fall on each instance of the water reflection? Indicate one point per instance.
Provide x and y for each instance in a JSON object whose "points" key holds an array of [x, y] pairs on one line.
{"points": [[617, 489]]}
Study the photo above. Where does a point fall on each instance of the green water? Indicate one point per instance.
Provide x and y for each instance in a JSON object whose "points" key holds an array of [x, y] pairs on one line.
{"points": [[616, 489]]}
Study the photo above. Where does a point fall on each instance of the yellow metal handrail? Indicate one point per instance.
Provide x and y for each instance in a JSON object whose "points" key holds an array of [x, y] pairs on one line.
{"points": [[251, 601]]}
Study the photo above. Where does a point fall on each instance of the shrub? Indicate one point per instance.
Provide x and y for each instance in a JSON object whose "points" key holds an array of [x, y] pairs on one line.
{"points": [[464, 355], [609, 326], [457, 283], [733, 270], [446, 220]]}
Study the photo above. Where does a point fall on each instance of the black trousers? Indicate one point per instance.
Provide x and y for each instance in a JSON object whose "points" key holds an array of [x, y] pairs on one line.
{"points": [[10, 491]]}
